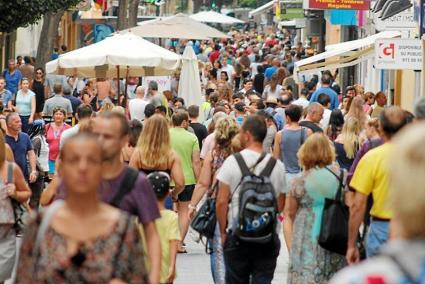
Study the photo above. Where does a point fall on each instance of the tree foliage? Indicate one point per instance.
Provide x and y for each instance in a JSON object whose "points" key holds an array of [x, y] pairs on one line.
{"points": [[21, 13]]}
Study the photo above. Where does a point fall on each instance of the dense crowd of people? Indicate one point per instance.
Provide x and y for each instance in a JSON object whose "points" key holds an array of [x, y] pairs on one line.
{"points": [[119, 181]]}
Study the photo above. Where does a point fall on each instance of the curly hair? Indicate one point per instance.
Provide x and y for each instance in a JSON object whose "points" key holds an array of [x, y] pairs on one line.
{"points": [[226, 129]]}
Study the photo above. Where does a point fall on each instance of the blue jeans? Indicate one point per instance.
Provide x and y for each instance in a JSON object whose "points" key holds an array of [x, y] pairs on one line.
{"points": [[377, 235], [25, 123]]}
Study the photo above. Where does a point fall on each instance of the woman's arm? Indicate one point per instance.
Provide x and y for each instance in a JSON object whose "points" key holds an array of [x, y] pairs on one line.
{"points": [[49, 193], [177, 174], [20, 190], [276, 148], [290, 212], [31, 119], [204, 182]]}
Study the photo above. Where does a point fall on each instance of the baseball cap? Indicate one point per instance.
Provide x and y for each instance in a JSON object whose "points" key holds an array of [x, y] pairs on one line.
{"points": [[160, 182]]}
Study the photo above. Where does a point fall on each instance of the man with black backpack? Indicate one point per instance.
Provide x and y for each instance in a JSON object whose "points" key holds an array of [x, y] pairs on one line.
{"points": [[251, 194]]}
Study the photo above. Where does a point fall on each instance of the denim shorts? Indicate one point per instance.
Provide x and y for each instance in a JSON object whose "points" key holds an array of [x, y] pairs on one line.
{"points": [[377, 236]]}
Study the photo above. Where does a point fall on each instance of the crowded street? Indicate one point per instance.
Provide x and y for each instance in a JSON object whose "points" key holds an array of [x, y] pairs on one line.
{"points": [[212, 142]]}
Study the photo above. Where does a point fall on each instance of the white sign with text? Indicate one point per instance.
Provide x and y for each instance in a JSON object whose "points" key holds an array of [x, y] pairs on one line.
{"points": [[398, 53]]}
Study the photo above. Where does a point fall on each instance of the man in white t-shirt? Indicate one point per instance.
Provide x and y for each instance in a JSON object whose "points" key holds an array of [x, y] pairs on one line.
{"points": [[325, 101], [137, 105], [302, 100], [244, 259]]}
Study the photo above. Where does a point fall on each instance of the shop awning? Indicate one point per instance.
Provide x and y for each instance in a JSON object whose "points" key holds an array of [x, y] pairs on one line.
{"points": [[343, 54], [290, 5], [261, 9]]}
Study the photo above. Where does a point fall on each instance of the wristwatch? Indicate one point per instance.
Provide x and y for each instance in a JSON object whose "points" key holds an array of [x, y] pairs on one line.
{"points": [[191, 206]]}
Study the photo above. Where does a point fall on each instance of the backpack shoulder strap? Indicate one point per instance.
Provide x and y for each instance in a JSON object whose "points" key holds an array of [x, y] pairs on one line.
{"points": [[126, 186], [9, 172], [267, 171], [242, 165], [303, 135]]}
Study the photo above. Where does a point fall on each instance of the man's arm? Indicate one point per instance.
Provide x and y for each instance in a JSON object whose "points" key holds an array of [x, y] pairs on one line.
{"points": [[32, 161], [69, 109], [357, 212], [196, 161], [154, 251], [222, 207]]}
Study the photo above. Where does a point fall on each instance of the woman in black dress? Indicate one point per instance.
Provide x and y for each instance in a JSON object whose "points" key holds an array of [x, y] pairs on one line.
{"points": [[38, 89]]}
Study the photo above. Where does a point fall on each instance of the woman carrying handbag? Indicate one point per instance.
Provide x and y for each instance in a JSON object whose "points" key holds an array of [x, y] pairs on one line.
{"points": [[12, 187]]}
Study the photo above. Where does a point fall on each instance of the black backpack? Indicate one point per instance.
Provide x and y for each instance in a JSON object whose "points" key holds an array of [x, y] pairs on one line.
{"points": [[257, 216]]}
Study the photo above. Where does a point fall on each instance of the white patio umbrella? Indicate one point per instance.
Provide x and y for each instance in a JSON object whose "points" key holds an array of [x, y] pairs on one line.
{"points": [[216, 18], [120, 52], [178, 26], [190, 82]]}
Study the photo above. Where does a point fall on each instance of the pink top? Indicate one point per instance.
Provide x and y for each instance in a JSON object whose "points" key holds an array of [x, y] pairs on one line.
{"points": [[53, 138]]}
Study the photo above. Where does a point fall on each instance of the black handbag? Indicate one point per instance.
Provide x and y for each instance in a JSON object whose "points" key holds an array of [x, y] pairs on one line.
{"points": [[205, 220], [334, 228]]}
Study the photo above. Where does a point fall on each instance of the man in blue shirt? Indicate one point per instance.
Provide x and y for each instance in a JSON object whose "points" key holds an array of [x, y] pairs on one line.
{"points": [[13, 76], [75, 102], [326, 89], [5, 95], [273, 69], [21, 146]]}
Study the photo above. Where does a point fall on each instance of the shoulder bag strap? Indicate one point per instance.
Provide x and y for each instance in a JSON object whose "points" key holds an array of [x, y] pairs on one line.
{"points": [[267, 171], [302, 138], [126, 186], [9, 172], [340, 178]]}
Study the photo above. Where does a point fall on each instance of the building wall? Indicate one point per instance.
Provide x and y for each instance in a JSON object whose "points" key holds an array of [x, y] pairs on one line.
{"points": [[27, 39], [407, 90]]}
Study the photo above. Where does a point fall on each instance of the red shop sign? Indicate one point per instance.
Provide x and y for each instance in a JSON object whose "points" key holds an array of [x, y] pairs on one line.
{"points": [[340, 4]]}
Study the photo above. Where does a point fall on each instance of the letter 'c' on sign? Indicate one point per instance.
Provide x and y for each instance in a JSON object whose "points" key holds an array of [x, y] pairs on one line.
{"points": [[387, 50]]}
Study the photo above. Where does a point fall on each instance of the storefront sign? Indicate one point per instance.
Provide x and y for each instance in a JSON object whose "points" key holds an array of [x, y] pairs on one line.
{"points": [[403, 21], [397, 54], [340, 4]]}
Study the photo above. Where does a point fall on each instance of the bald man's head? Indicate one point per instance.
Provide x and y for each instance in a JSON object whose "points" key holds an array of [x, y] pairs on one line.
{"points": [[392, 119], [140, 91]]}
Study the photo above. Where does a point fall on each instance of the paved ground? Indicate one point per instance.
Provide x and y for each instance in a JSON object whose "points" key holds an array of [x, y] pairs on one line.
{"points": [[194, 267]]}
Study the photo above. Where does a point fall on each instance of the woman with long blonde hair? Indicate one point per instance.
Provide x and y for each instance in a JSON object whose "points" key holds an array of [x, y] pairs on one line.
{"points": [[153, 152], [226, 130], [356, 111], [348, 143]]}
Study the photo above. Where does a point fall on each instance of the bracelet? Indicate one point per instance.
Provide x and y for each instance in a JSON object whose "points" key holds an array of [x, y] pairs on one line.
{"points": [[191, 206]]}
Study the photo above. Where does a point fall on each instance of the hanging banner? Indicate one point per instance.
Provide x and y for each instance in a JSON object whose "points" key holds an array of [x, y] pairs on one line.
{"points": [[339, 4]]}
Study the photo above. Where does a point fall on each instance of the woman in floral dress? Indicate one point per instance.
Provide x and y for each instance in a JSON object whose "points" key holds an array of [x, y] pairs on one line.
{"points": [[85, 240], [308, 261]]}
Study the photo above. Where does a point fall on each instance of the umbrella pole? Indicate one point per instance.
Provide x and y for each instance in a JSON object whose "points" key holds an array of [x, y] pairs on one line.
{"points": [[118, 83], [124, 101]]}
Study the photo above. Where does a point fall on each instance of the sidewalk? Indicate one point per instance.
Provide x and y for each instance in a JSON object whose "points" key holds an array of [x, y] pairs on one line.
{"points": [[194, 267]]}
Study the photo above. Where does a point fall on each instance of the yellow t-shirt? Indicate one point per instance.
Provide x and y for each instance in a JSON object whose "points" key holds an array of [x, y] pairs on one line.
{"points": [[371, 177], [168, 230]]}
